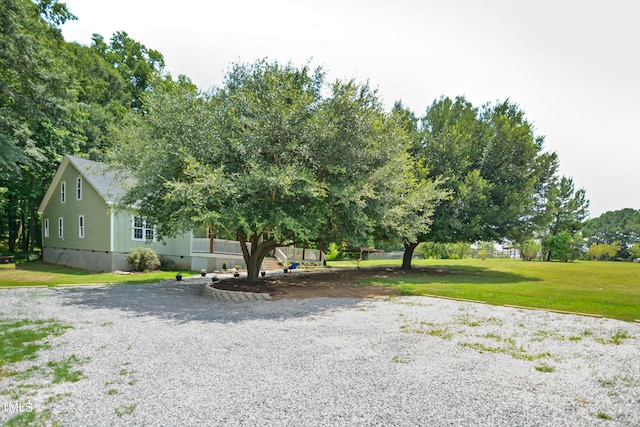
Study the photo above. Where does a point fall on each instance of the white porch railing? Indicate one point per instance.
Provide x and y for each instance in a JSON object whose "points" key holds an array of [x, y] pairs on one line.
{"points": [[232, 247], [298, 254], [202, 245]]}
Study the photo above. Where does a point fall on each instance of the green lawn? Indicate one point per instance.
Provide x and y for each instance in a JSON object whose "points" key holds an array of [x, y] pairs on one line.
{"points": [[38, 273], [610, 289]]}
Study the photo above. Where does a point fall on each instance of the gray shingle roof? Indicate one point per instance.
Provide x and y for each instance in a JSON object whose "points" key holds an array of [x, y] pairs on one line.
{"points": [[107, 181]]}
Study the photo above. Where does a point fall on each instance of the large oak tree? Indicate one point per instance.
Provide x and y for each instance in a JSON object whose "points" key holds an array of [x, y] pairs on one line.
{"points": [[492, 165], [275, 155]]}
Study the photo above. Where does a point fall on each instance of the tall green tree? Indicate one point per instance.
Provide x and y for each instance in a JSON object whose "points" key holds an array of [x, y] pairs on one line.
{"points": [[103, 98], [38, 115], [568, 207], [492, 165], [33, 98], [138, 65], [409, 194]]}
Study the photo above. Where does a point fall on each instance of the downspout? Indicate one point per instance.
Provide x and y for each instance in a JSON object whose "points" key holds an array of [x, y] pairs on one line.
{"points": [[112, 232]]}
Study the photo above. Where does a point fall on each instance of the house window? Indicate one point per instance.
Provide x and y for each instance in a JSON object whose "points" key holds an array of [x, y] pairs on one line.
{"points": [[46, 227], [79, 188], [142, 230], [63, 192], [81, 226], [60, 228]]}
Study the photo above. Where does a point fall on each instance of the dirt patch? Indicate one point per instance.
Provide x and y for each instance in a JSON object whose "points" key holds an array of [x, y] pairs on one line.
{"points": [[335, 283]]}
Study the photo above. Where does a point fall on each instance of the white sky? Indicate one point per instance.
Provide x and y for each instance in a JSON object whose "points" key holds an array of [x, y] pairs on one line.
{"points": [[573, 66]]}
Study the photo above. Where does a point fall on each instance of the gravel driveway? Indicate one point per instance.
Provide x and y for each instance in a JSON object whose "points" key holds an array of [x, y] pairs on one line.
{"points": [[161, 355]]}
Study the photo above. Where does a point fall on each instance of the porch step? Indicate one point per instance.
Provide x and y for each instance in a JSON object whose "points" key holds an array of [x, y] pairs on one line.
{"points": [[270, 264]]}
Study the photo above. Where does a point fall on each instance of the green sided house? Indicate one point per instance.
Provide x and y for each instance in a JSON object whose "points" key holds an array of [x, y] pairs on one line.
{"points": [[81, 227]]}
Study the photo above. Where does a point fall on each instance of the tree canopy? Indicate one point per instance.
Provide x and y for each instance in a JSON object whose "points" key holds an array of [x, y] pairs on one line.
{"points": [[492, 165], [568, 207], [275, 155], [566, 210]]}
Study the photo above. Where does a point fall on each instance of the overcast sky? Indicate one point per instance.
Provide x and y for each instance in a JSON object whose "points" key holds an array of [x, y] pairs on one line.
{"points": [[572, 66]]}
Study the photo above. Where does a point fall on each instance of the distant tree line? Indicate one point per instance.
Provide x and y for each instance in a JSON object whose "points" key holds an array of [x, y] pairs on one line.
{"points": [[613, 235]]}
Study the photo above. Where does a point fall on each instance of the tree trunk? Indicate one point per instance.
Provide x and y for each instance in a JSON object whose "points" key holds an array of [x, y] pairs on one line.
{"points": [[31, 227], [211, 237], [11, 222], [254, 258], [32, 230], [408, 255], [25, 231]]}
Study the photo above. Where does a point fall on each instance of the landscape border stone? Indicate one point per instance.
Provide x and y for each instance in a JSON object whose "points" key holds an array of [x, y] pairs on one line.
{"points": [[210, 292], [596, 316]]}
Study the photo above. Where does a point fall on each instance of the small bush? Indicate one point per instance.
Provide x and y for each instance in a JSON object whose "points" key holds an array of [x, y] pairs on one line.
{"points": [[560, 246], [601, 251], [530, 250], [143, 259], [334, 252]]}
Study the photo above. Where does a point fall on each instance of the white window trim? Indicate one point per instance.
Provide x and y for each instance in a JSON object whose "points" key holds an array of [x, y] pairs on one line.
{"points": [[63, 192], [79, 188], [61, 228], [144, 229], [81, 225], [46, 227]]}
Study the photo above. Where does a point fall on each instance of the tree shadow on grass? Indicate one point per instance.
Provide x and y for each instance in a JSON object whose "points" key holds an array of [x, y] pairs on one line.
{"points": [[457, 274], [181, 302], [42, 267]]}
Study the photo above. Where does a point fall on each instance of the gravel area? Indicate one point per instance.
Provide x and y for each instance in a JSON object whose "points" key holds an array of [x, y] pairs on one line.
{"points": [[162, 355]]}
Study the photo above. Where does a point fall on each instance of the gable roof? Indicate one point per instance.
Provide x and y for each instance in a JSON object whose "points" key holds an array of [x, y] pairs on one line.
{"points": [[109, 183]]}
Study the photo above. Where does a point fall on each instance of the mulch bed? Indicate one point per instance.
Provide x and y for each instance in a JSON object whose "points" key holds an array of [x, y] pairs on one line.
{"points": [[338, 283]]}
